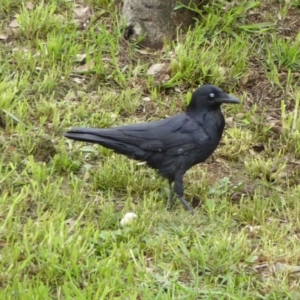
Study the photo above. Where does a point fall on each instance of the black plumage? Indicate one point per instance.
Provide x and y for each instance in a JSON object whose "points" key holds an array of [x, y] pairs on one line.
{"points": [[172, 145]]}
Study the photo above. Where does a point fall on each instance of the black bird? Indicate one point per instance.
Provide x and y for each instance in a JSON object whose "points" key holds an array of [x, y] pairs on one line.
{"points": [[172, 145]]}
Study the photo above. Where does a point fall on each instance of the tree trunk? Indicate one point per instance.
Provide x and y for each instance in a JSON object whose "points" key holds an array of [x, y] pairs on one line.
{"points": [[153, 21]]}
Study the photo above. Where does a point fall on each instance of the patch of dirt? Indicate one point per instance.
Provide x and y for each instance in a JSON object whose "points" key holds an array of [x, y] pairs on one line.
{"points": [[262, 93], [289, 25], [260, 90], [220, 168], [44, 150], [269, 11]]}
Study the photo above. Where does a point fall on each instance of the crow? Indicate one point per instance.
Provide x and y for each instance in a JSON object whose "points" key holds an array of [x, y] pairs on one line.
{"points": [[170, 146]]}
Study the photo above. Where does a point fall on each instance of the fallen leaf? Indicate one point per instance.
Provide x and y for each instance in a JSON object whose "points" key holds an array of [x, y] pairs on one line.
{"points": [[279, 16], [3, 37], [155, 69], [14, 24], [239, 116], [229, 121], [80, 11], [80, 57], [78, 80], [279, 267], [143, 51], [29, 5], [245, 78], [166, 77], [88, 149], [84, 68], [16, 32]]}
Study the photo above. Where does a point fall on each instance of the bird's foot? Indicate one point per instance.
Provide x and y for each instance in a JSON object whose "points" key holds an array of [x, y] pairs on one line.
{"points": [[186, 205], [170, 206]]}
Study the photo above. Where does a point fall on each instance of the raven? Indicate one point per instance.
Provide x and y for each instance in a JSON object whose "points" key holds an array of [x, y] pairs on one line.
{"points": [[172, 145]]}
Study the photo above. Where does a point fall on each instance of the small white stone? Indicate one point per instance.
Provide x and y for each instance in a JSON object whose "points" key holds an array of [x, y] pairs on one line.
{"points": [[128, 218]]}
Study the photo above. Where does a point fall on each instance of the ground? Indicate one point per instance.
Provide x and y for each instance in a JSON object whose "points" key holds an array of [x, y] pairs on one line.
{"points": [[65, 63]]}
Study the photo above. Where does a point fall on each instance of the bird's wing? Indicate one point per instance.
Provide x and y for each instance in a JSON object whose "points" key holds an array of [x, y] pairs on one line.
{"points": [[175, 135]]}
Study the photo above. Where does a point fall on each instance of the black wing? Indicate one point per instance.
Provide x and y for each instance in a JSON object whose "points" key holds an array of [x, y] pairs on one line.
{"points": [[173, 136]]}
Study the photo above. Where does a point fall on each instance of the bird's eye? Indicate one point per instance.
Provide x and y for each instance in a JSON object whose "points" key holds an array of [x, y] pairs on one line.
{"points": [[211, 95]]}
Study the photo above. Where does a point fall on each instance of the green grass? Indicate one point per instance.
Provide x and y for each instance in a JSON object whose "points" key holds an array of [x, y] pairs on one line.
{"points": [[61, 202]]}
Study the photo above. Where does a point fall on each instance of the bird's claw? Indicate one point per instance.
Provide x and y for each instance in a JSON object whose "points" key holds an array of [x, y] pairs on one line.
{"points": [[186, 205], [183, 201]]}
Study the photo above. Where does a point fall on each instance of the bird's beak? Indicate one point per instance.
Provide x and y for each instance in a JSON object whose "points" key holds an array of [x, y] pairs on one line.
{"points": [[225, 98]]}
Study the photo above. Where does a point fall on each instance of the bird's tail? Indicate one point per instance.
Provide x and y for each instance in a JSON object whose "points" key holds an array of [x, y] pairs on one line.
{"points": [[90, 135], [108, 138]]}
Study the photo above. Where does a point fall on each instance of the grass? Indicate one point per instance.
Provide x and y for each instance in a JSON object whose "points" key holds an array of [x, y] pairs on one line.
{"points": [[61, 202]]}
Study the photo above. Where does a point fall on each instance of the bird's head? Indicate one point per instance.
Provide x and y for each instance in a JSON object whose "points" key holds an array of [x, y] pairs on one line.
{"points": [[209, 97]]}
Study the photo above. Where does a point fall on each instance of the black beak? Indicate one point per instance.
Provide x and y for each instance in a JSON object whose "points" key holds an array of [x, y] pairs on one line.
{"points": [[225, 98]]}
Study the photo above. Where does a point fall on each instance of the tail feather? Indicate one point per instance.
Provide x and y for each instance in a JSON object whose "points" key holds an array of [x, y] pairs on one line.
{"points": [[93, 135], [85, 137]]}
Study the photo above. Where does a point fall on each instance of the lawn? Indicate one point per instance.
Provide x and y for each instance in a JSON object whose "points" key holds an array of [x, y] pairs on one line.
{"points": [[65, 63]]}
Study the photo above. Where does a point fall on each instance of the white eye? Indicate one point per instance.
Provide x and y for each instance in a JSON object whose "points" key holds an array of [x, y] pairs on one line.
{"points": [[211, 95]]}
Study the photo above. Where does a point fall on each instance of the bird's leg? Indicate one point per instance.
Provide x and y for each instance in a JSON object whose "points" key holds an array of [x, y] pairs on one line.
{"points": [[171, 195], [178, 189]]}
